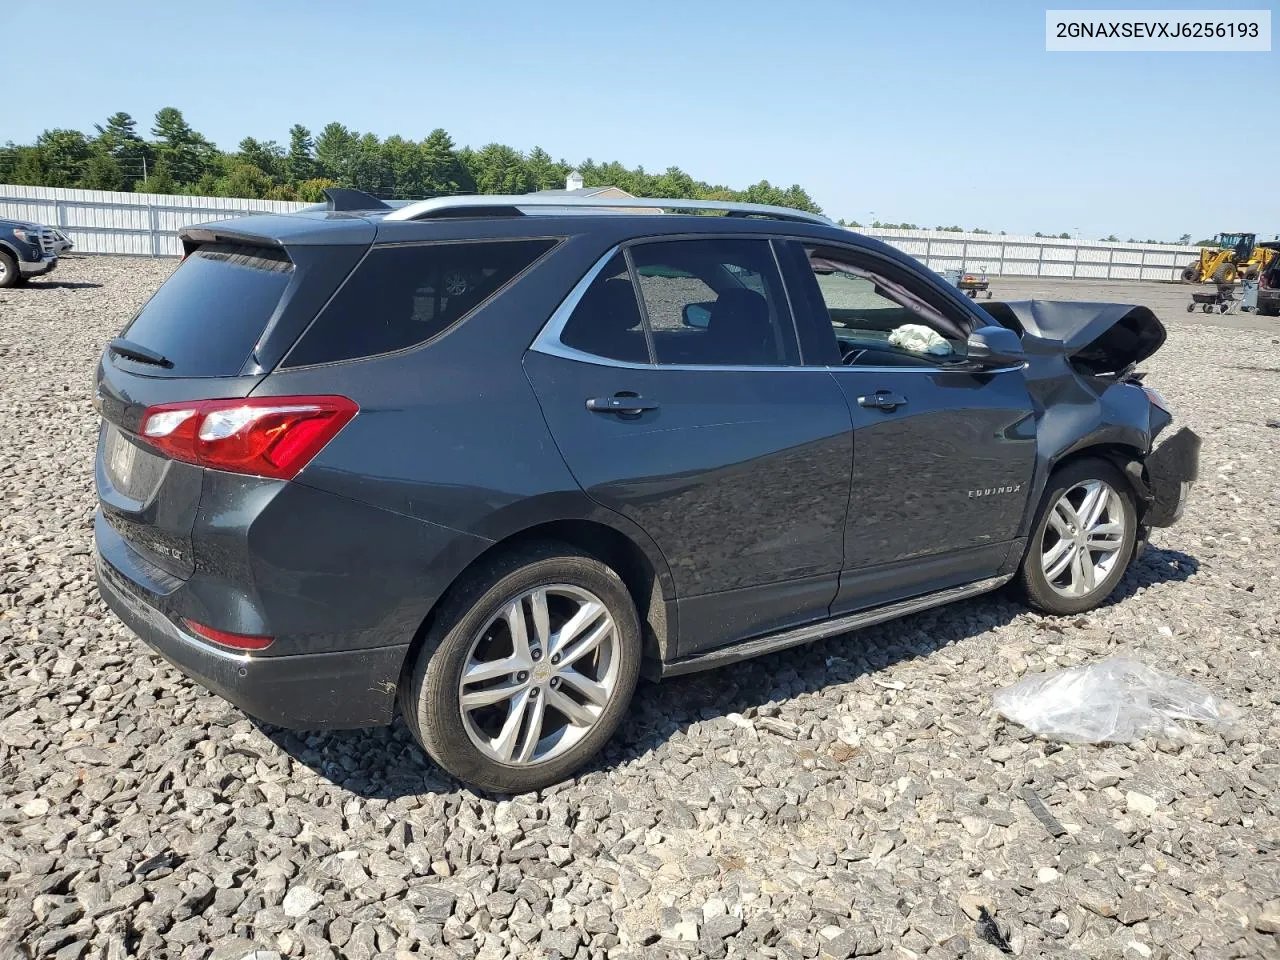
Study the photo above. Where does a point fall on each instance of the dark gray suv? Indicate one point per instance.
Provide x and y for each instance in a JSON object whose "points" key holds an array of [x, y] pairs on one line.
{"points": [[493, 457]]}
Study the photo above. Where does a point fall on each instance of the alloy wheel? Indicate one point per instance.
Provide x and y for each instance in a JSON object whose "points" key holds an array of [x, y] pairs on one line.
{"points": [[539, 675], [1083, 538]]}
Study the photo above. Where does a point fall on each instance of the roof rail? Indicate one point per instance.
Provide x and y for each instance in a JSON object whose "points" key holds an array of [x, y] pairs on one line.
{"points": [[495, 205]]}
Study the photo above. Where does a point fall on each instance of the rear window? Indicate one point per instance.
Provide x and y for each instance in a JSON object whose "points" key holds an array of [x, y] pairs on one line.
{"points": [[208, 316], [404, 295]]}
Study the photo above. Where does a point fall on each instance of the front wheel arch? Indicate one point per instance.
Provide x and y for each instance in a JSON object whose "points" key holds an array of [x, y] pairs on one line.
{"points": [[1035, 582], [1125, 458]]}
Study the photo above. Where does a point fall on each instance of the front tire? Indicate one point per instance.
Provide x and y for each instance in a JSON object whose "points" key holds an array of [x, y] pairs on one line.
{"points": [[527, 670], [10, 276], [1083, 538]]}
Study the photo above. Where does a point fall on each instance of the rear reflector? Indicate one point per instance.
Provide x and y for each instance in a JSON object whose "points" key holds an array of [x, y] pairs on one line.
{"points": [[264, 436], [236, 641]]}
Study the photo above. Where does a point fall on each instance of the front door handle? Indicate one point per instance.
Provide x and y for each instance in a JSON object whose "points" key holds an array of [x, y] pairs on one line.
{"points": [[624, 403], [883, 400]]}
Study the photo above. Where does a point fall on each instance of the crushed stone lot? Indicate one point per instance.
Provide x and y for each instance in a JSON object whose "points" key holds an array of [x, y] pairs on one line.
{"points": [[852, 798]]}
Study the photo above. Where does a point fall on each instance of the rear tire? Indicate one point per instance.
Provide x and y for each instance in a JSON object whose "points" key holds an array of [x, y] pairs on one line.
{"points": [[10, 276], [490, 744], [1226, 273], [1102, 538]]}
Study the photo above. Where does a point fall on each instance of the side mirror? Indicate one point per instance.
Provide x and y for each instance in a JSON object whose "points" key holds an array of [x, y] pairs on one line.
{"points": [[995, 346], [696, 315]]}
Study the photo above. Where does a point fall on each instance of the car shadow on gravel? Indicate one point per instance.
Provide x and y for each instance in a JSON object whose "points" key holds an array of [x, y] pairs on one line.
{"points": [[60, 284], [386, 764]]}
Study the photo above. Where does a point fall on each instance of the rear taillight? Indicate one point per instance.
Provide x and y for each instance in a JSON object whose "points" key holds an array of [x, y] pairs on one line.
{"points": [[236, 641], [264, 436]]}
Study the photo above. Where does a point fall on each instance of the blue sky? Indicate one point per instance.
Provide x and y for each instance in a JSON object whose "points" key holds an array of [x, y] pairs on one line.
{"points": [[930, 112]]}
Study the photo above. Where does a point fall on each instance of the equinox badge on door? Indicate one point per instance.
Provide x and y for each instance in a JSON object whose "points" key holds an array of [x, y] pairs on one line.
{"points": [[993, 491]]}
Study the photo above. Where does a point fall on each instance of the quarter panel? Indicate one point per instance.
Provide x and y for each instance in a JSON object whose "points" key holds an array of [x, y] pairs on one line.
{"points": [[319, 572], [448, 432]]}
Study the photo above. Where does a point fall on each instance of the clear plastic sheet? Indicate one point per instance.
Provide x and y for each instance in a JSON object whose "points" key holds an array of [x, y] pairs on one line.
{"points": [[1116, 700]]}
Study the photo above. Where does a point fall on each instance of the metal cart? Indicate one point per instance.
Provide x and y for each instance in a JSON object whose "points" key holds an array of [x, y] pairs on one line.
{"points": [[1223, 299], [970, 284]]}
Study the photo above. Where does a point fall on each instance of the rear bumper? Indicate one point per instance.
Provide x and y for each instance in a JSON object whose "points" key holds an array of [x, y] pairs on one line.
{"points": [[1171, 469], [338, 690]]}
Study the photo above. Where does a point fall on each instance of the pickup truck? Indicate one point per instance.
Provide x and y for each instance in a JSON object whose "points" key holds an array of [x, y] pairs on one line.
{"points": [[26, 250]]}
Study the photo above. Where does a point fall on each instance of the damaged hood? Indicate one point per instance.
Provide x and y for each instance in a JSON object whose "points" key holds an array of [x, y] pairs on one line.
{"points": [[1100, 338]]}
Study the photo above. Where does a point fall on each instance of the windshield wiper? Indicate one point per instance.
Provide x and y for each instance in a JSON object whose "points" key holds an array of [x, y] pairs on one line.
{"points": [[135, 351]]}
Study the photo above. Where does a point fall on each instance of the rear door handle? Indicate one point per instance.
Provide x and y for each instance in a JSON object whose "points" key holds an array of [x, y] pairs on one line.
{"points": [[622, 403], [882, 400]]}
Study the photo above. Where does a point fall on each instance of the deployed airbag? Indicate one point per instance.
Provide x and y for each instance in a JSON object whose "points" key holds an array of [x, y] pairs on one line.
{"points": [[918, 338]]}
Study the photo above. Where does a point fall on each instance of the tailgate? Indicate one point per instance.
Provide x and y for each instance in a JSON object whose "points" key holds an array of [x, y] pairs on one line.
{"points": [[213, 330], [146, 497]]}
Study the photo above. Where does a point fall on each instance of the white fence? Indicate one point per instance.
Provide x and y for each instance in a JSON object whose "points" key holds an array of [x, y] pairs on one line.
{"points": [[138, 224], [1021, 256], [144, 224]]}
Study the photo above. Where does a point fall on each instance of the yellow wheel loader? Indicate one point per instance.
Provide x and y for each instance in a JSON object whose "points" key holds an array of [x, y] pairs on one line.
{"points": [[1237, 255]]}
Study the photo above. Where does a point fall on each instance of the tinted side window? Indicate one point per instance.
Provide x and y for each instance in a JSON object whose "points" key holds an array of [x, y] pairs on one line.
{"points": [[715, 301], [207, 317], [403, 295], [606, 321]]}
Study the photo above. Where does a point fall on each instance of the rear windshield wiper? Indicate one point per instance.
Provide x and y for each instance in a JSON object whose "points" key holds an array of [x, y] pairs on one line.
{"points": [[135, 351]]}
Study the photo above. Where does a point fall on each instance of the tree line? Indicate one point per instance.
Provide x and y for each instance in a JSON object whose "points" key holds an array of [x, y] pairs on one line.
{"points": [[177, 159]]}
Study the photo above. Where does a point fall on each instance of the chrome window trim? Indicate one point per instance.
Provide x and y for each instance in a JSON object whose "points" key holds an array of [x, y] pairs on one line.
{"points": [[547, 341], [549, 336]]}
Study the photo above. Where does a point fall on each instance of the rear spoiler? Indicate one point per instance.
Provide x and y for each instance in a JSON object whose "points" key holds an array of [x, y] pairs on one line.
{"points": [[193, 238]]}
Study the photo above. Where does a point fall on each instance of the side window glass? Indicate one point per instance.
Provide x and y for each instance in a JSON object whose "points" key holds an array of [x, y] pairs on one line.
{"points": [[403, 295], [606, 321], [883, 320], [715, 301]]}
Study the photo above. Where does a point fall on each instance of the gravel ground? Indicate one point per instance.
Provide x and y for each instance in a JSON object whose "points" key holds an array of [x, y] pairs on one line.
{"points": [[851, 798]]}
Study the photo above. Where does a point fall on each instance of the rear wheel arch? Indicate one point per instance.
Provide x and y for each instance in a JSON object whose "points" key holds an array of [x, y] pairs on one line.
{"points": [[643, 578]]}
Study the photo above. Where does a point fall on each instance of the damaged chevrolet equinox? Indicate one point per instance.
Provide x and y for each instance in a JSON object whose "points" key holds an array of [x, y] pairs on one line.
{"points": [[491, 458]]}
